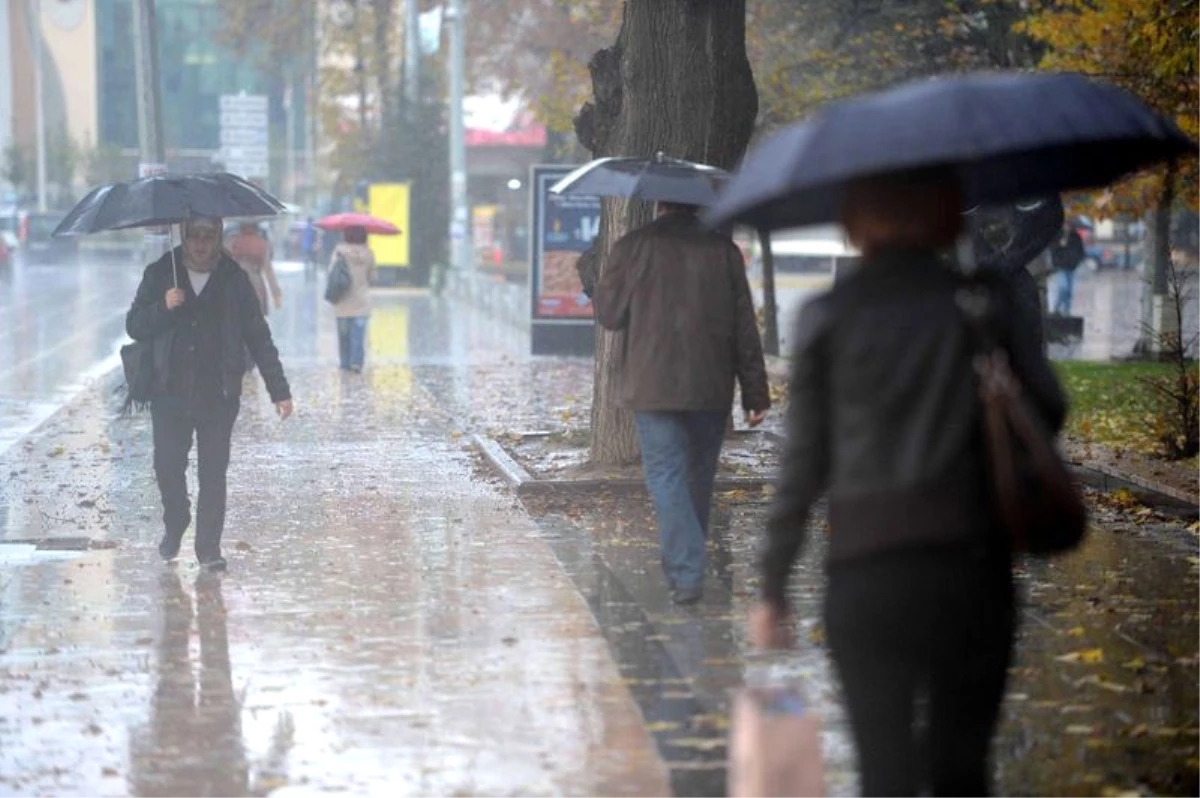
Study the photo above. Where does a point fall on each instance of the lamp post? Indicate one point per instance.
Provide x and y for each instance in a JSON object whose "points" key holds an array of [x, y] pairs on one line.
{"points": [[460, 247]]}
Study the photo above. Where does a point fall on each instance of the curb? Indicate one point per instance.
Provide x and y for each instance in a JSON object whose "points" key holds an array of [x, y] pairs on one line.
{"points": [[526, 484]]}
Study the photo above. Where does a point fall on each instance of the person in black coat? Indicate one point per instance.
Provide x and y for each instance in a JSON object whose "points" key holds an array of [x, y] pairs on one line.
{"points": [[198, 310], [883, 416]]}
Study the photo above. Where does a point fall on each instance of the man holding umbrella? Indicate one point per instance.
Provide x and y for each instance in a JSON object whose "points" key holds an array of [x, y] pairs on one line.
{"points": [[200, 313], [681, 293]]}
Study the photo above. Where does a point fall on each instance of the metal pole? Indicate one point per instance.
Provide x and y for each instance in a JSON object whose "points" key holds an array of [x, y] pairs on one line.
{"points": [[150, 139], [290, 139], [412, 51], [459, 242], [39, 104], [146, 72], [310, 109]]}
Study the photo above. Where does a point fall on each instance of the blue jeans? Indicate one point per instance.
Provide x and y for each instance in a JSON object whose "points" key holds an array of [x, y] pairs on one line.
{"points": [[1064, 285], [352, 334], [680, 451]]}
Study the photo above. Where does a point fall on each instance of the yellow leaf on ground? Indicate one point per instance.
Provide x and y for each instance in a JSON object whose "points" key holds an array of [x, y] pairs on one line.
{"points": [[1087, 656], [1135, 664], [661, 726], [1076, 632], [1080, 729]]}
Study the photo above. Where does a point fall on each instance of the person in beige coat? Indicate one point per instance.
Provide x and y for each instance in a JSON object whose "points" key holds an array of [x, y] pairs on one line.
{"points": [[353, 309]]}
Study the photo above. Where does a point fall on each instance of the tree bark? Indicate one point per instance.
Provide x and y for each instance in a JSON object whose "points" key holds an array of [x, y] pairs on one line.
{"points": [[677, 80], [770, 308]]}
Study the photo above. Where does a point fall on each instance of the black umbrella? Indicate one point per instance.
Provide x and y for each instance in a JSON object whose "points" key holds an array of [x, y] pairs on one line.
{"points": [[1007, 135], [657, 179], [167, 199]]}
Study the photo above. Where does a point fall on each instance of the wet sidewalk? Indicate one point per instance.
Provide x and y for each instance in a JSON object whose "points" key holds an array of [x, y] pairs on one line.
{"points": [[391, 624], [395, 622]]}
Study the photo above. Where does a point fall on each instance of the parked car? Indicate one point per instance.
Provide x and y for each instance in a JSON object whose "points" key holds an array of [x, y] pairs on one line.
{"points": [[38, 246]]}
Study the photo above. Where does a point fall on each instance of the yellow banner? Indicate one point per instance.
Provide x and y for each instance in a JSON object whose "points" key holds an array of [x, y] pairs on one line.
{"points": [[390, 201]]}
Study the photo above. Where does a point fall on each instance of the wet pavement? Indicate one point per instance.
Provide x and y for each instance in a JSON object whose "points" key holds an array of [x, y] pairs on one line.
{"points": [[395, 622]]}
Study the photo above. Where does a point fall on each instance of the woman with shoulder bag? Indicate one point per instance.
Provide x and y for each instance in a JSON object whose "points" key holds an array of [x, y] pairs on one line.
{"points": [[353, 307], [884, 414]]}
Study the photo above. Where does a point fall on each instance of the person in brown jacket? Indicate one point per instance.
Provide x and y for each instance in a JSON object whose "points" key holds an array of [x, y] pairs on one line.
{"points": [[353, 309], [681, 294]]}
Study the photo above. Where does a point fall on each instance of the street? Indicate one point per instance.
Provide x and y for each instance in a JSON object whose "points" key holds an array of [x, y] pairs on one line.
{"points": [[394, 621]]}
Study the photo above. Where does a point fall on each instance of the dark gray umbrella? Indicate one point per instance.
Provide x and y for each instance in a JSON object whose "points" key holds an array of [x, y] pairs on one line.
{"points": [[657, 179], [168, 199], [1006, 135]]}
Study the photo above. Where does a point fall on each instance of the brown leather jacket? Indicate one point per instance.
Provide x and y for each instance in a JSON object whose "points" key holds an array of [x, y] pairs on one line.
{"points": [[681, 293]]}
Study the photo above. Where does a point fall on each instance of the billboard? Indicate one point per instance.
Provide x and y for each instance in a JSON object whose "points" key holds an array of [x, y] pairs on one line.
{"points": [[390, 201], [563, 228]]}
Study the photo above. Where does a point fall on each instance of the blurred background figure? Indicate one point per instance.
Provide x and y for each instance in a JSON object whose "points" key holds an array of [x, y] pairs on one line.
{"points": [[353, 309], [252, 252]]}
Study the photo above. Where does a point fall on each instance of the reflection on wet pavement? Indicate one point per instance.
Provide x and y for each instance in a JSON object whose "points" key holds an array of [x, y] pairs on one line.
{"points": [[394, 622]]}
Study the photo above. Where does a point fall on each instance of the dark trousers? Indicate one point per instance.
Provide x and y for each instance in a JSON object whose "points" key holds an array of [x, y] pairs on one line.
{"points": [[921, 642], [174, 426]]}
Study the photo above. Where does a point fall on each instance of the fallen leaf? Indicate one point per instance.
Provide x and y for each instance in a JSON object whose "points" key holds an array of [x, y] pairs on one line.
{"points": [[662, 726], [699, 743], [1135, 664], [1075, 632], [242, 545], [109, 773], [1087, 656], [1080, 729]]}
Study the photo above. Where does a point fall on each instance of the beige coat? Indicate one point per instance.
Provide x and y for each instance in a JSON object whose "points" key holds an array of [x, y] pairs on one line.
{"points": [[360, 259]]}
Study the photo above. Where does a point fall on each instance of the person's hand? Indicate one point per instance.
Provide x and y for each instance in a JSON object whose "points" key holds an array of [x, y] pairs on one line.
{"points": [[174, 298], [755, 417], [278, 301], [284, 408], [770, 627]]}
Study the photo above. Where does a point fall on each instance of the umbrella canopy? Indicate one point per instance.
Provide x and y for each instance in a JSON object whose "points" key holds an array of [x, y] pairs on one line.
{"points": [[167, 199], [1007, 135], [372, 224], [657, 179]]}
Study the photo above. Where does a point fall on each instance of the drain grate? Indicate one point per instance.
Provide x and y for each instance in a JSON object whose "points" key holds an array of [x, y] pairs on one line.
{"points": [[62, 543]]}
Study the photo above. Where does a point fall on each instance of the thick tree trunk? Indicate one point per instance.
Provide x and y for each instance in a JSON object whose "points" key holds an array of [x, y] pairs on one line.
{"points": [[677, 81]]}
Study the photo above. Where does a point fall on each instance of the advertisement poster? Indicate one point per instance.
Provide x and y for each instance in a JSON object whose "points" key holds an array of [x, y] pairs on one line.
{"points": [[563, 227], [390, 201]]}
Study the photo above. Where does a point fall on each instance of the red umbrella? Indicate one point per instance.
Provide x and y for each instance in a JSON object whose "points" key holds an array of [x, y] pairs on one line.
{"points": [[372, 224]]}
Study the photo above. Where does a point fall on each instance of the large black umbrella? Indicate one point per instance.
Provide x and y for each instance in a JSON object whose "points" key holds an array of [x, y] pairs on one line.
{"points": [[1007, 135], [657, 179], [167, 199]]}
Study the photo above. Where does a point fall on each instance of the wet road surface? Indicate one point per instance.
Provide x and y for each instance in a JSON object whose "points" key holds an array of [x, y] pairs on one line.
{"points": [[395, 622]]}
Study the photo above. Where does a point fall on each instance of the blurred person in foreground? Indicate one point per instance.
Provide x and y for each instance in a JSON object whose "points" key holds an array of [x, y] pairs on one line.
{"points": [[354, 309], [201, 313], [681, 294], [884, 415]]}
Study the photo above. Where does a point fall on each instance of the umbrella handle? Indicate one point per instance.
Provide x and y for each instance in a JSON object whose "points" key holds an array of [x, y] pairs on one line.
{"points": [[171, 244]]}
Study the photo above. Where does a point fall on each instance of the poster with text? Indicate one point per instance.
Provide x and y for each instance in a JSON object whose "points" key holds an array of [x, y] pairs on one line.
{"points": [[564, 227]]}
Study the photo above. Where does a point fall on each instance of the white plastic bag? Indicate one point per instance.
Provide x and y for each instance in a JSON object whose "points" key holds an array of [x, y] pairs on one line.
{"points": [[775, 743]]}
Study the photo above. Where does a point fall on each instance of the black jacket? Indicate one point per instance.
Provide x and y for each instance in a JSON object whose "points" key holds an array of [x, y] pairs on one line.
{"points": [[884, 413], [242, 326]]}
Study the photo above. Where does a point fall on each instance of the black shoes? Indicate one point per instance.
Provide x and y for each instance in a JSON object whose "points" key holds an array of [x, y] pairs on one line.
{"points": [[214, 565], [687, 595], [168, 548]]}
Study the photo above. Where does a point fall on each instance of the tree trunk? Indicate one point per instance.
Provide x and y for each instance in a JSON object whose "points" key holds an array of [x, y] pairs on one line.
{"points": [[677, 81], [1159, 255], [770, 308]]}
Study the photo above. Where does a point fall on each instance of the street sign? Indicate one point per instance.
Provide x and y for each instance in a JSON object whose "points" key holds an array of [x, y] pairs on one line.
{"points": [[242, 135], [247, 119], [245, 139], [244, 102]]}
